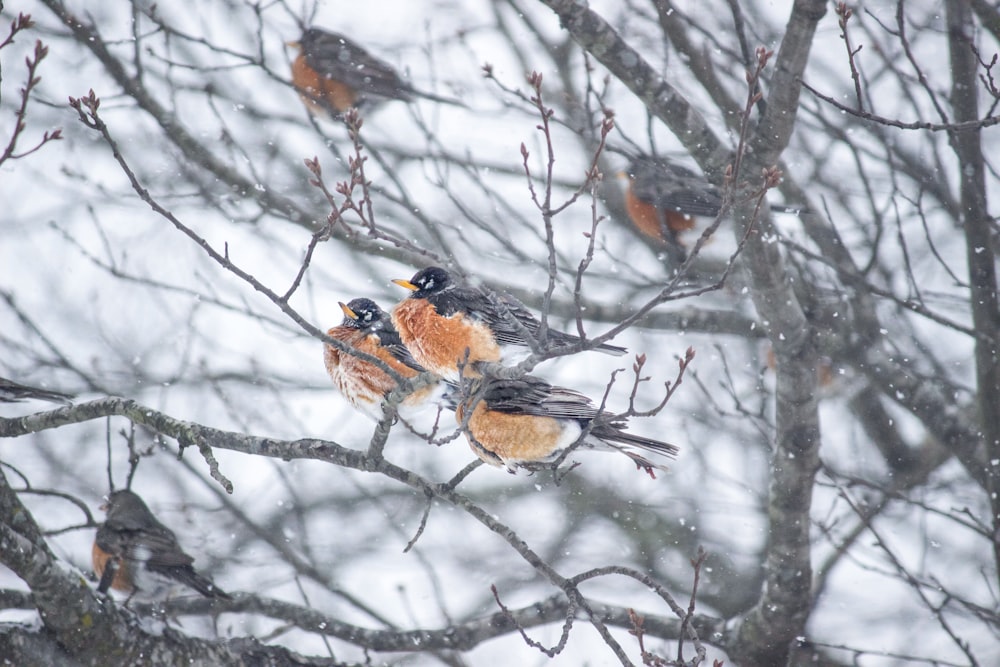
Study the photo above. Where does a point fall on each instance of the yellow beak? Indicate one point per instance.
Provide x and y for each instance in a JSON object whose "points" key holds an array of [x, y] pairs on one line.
{"points": [[347, 311], [406, 283]]}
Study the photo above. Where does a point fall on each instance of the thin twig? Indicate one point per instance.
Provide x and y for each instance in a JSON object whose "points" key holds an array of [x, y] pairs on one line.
{"points": [[23, 22], [845, 13], [968, 126], [86, 108], [556, 648]]}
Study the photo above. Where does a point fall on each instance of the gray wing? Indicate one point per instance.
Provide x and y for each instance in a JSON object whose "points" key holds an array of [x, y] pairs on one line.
{"points": [[673, 187], [531, 395], [340, 59], [14, 392]]}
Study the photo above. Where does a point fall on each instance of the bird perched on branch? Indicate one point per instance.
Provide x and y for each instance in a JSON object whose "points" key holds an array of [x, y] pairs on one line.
{"points": [[332, 74], [368, 329], [134, 553], [15, 392], [447, 326], [518, 422], [663, 199]]}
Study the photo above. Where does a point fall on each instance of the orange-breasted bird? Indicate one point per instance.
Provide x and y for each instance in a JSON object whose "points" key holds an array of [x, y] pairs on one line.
{"points": [[447, 326], [134, 553], [518, 422], [332, 74], [367, 328], [15, 392], [663, 198]]}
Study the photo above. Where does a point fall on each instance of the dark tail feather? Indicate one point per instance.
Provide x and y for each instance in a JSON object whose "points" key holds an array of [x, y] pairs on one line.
{"points": [[437, 98], [200, 583], [210, 590], [795, 210], [54, 396], [610, 435], [14, 392], [613, 350], [650, 445], [560, 338]]}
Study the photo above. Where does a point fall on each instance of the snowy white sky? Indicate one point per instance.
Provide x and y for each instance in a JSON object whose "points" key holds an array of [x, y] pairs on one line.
{"points": [[202, 346]]}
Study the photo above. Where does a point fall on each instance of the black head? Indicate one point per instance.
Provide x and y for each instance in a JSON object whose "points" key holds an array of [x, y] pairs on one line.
{"points": [[124, 506], [313, 36], [651, 170], [644, 165], [632, 168], [427, 281], [363, 314]]}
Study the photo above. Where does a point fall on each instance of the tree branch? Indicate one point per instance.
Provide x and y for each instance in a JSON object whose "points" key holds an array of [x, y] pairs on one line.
{"points": [[768, 632], [980, 249], [318, 450], [92, 627]]}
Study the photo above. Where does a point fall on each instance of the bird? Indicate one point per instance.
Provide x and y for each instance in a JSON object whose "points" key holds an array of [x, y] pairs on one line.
{"points": [[15, 392], [449, 329], [368, 329], [522, 422], [332, 74], [662, 198], [134, 553]]}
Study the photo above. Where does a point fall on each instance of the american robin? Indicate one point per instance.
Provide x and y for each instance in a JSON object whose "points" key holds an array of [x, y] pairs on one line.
{"points": [[663, 198], [367, 328], [440, 321], [332, 74], [517, 422], [15, 392], [133, 553]]}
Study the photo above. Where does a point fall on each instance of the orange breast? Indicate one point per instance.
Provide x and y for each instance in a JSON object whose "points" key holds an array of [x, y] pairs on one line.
{"points": [[319, 93], [362, 383], [122, 580], [512, 437], [439, 343], [651, 220]]}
